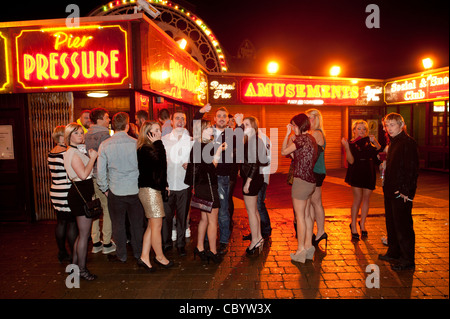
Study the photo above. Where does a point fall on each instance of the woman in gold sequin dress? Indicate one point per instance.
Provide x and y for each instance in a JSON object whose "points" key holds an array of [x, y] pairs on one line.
{"points": [[152, 184]]}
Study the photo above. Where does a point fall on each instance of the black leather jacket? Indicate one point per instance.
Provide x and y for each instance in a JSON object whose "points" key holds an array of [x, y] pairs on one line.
{"points": [[402, 167]]}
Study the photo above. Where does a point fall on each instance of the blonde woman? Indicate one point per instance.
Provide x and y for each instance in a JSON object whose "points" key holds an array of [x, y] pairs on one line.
{"points": [[66, 226], [79, 169], [152, 183], [361, 153], [317, 211]]}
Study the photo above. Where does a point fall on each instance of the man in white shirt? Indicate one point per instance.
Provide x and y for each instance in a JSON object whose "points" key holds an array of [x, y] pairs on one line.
{"points": [[178, 145]]}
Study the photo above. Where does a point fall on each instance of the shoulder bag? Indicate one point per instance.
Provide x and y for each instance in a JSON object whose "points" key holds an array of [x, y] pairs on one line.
{"points": [[202, 204], [93, 208]]}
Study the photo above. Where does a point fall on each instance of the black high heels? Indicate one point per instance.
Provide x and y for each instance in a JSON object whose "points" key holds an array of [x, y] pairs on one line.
{"points": [[142, 264], [215, 257], [257, 248], [317, 241], [354, 235], [364, 233], [201, 254], [166, 266]]}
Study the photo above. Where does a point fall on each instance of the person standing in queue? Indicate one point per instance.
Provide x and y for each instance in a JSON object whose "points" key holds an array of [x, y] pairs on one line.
{"points": [[318, 212], [361, 153], [201, 174], [152, 182], [79, 168], [400, 185], [255, 156], [117, 177], [66, 225], [178, 145], [304, 148]]}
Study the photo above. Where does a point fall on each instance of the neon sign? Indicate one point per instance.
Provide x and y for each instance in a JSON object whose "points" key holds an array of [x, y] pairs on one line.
{"points": [[168, 70], [293, 91], [87, 56], [4, 64], [417, 89]]}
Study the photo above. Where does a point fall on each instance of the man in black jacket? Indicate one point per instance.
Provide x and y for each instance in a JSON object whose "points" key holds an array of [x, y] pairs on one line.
{"points": [[400, 184]]}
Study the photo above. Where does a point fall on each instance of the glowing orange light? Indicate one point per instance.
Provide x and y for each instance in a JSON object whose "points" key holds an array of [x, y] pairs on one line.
{"points": [[273, 67], [427, 63]]}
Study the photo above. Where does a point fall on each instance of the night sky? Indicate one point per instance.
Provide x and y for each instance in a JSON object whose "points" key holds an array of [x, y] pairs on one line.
{"points": [[309, 35]]}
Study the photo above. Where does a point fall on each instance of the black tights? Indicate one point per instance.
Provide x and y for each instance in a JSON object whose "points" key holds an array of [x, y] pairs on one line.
{"points": [[65, 229], [81, 243]]}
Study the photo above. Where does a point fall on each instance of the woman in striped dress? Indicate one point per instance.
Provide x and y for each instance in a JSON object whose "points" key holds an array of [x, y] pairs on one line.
{"points": [[66, 226]]}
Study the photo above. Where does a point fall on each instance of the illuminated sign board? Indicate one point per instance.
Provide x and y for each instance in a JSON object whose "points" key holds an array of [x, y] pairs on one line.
{"points": [[170, 71], [422, 88], [82, 57], [294, 91], [4, 64]]}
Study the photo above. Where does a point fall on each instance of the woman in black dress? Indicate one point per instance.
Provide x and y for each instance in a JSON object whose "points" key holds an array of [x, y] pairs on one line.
{"points": [[255, 156], [361, 154], [201, 174]]}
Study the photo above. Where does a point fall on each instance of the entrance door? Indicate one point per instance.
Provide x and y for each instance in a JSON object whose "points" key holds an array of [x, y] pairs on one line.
{"points": [[15, 168]]}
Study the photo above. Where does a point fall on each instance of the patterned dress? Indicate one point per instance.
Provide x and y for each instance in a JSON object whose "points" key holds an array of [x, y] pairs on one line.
{"points": [[60, 182]]}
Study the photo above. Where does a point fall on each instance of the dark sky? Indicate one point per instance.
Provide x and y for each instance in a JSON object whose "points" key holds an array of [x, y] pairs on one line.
{"points": [[309, 34]]}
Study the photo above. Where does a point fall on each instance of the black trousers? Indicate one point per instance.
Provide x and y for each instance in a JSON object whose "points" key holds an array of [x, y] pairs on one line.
{"points": [[177, 205], [400, 231]]}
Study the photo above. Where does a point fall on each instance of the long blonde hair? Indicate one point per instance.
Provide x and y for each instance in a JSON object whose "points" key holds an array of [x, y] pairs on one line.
{"points": [[318, 124], [142, 138]]}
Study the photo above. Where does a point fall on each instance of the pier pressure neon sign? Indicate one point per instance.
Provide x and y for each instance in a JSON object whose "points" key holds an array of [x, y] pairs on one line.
{"points": [[88, 56]]}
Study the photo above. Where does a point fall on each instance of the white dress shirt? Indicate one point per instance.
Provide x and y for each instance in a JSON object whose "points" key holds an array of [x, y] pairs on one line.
{"points": [[178, 151]]}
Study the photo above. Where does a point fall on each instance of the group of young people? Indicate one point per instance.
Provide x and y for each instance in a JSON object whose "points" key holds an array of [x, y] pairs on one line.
{"points": [[156, 175]]}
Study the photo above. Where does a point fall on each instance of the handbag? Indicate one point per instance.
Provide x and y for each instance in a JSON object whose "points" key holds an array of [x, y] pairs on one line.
{"points": [[202, 204], [93, 208]]}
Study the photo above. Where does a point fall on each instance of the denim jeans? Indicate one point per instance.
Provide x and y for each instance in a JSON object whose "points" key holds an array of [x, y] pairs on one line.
{"points": [[266, 229], [224, 214]]}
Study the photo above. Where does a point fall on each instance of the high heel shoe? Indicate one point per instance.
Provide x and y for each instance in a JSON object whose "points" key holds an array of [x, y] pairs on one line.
{"points": [[354, 235], [215, 257], [310, 253], [364, 233], [300, 257], [258, 247], [86, 275], [317, 241], [142, 264], [166, 266], [201, 254]]}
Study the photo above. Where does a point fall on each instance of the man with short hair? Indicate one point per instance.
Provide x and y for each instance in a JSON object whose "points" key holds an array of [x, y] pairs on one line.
{"points": [[166, 123], [399, 188], [97, 133], [225, 168], [118, 178], [178, 145], [84, 120], [140, 117]]}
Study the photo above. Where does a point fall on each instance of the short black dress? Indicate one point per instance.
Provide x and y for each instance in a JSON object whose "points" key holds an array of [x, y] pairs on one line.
{"points": [[363, 172], [255, 156], [202, 175]]}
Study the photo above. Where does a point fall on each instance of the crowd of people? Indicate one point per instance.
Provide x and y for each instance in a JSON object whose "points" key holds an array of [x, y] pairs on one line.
{"points": [[147, 173]]}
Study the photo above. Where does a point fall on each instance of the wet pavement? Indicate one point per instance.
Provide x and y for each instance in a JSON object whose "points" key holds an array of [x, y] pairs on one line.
{"points": [[30, 270]]}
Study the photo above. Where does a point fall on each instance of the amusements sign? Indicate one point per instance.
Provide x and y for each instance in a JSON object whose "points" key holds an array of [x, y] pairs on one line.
{"points": [[422, 88], [81, 57], [295, 91]]}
